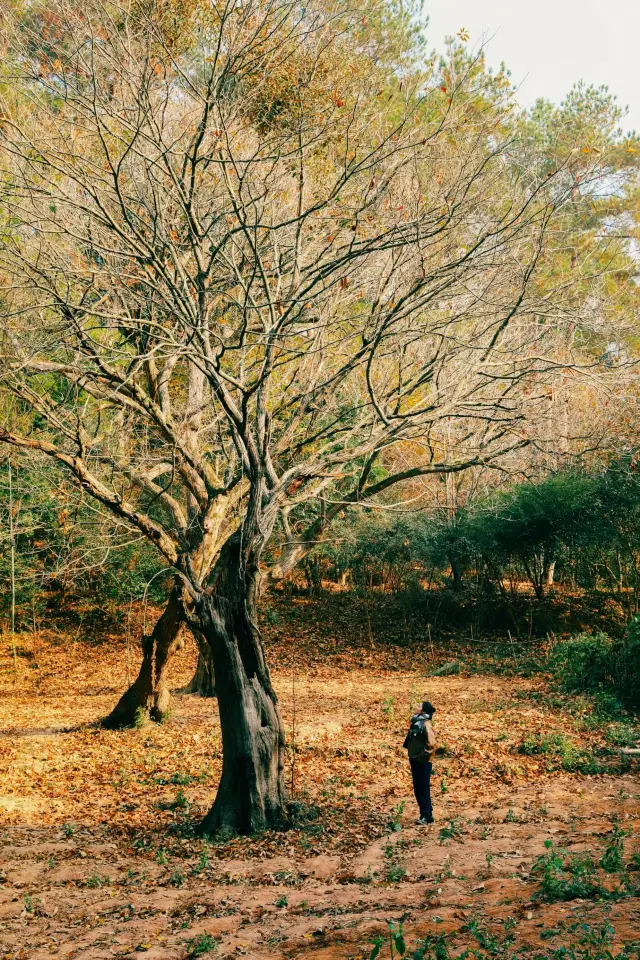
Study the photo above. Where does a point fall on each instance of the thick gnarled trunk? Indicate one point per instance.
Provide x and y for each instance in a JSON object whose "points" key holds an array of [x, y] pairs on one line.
{"points": [[251, 795], [149, 695]]}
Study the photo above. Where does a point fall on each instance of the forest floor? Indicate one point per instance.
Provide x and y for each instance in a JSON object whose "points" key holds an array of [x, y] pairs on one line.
{"points": [[99, 857]]}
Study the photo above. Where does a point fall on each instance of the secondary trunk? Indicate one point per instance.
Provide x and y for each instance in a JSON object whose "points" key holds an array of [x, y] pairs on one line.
{"points": [[251, 795], [149, 694], [203, 681]]}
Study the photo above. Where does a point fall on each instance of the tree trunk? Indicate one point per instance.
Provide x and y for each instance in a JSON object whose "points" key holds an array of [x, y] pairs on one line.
{"points": [[251, 795], [550, 574], [203, 681], [148, 694], [456, 574]]}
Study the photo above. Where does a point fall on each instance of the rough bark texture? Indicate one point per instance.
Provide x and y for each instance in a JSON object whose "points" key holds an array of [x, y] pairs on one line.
{"points": [[251, 795], [203, 681], [149, 692]]}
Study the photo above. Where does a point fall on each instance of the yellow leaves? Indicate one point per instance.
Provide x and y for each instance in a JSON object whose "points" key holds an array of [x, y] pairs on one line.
{"points": [[463, 34]]}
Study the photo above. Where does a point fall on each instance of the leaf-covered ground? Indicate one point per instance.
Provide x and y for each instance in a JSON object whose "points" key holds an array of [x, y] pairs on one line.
{"points": [[99, 858]]}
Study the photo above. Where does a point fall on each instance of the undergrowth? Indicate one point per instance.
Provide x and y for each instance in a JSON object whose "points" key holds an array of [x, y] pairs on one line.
{"points": [[588, 943]]}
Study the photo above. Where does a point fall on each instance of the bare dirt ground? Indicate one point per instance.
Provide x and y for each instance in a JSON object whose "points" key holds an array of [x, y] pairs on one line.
{"points": [[99, 857]]}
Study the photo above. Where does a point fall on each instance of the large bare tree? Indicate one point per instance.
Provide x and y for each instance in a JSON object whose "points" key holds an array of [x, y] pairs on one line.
{"points": [[254, 268]]}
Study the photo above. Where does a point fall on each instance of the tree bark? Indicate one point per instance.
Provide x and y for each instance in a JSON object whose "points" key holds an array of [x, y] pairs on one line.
{"points": [[456, 574], [251, 794], [550, 573], [149, 694], [203, 681]]}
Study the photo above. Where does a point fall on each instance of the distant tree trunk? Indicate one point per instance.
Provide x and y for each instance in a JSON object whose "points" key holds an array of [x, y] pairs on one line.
{"points": [[313, 576], [550, 573], [149, 694], [456, 574], [203, 681], [251, 794]]}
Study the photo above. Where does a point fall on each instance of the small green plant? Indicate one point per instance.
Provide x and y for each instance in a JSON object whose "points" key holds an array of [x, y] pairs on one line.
{"points": [[282, 901], [494, 945], [271, 616], [142, 843], [566, 878], [179, 802], [395, 873], [394, 940], [394, 945], [511, 816], [28, 904], [67, 829], [395, 823], [451, 832], [140, 717], [51, 863], [445, 871], [177, 878], [388, 708], [203, 943], [95, 881], [180, 779], [162, 856], [202, 864], [489, 858], [612, 860]]}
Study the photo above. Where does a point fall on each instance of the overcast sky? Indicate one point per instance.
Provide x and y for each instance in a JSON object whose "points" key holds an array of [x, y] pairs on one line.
{"points": [[549, 44]]}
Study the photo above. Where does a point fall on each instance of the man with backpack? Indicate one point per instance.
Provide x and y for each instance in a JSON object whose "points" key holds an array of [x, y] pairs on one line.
{"points": [[420, 744]]}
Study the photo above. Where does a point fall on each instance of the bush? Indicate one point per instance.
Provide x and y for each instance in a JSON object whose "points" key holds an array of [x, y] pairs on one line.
{"points": [[566, 878], [583, 663], [561, 752], [595, 662]]}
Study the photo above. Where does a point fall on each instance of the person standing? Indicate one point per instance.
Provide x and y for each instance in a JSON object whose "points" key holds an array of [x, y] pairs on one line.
{"points": [[420, 744]]}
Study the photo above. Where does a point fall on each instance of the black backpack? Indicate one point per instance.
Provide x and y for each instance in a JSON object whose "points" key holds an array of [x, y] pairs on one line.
{"points": [[416, 739]]}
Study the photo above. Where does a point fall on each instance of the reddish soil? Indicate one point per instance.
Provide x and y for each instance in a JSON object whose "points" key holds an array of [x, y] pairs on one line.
{"points": [[99, 858]]}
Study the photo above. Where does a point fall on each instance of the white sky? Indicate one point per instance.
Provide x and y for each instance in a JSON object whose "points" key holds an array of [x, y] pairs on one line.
{"points": [[549, 44]]}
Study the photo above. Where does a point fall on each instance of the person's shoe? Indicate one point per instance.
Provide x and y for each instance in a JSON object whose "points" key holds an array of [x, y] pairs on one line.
{"points": [[430, 819], [423, 821]]}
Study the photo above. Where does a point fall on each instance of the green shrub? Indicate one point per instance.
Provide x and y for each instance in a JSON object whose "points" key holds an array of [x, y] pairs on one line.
{"points": [[566, 878], [583, 663], [561, 752], [204, 943], [595, 662], [612, 860]]}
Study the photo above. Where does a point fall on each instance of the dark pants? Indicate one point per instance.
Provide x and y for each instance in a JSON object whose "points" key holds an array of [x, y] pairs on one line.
{"points": [[421, 773]]}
